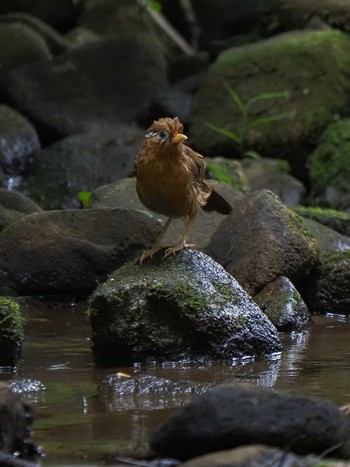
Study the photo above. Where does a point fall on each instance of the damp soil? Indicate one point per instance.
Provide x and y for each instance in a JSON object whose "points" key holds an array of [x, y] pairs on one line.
{"points": [[84, 415]]}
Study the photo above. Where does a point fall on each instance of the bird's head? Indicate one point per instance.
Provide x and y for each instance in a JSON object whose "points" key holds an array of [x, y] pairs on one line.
{"points": [[166, 131]]}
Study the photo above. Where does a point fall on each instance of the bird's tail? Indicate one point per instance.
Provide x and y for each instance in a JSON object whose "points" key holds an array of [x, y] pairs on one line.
{"points": [[216, 202]]}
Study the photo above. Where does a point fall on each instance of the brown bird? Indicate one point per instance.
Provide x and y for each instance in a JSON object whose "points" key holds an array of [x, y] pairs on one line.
{"points": [[170, 181]]}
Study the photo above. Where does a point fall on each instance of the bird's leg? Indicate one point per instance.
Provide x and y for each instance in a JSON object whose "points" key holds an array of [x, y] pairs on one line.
{"points": [[174, 249], [149, 253]]}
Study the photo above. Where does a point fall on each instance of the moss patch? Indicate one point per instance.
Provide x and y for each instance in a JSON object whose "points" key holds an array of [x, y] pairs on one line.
{"points": [[11, 320], [292, 63], [329, 163]]}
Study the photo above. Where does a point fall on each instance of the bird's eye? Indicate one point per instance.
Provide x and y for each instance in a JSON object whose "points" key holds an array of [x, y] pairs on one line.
{"points": [[163, 135]]}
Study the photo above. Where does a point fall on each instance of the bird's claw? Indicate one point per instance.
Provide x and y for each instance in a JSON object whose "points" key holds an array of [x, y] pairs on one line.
{"points": [[174, 249], [147, 254]]}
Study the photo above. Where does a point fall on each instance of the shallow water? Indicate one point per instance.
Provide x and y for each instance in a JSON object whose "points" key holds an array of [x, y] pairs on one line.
{"points": [[80, 417]]}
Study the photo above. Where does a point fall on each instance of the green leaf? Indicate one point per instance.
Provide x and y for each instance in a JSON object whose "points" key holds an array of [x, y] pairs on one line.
{"points": [[155, 6], [235, 97], [266, 96], [223, 131], [265, 120], [84, 198]]}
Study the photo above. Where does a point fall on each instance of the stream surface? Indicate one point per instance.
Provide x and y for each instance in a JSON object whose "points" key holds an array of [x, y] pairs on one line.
{"points": [[84, 413]]}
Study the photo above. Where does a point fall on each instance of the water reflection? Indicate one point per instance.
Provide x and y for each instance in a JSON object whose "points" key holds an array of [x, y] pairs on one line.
{"points": [[84, 412]]}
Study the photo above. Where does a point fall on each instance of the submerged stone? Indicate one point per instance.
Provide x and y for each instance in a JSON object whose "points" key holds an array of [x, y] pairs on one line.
{"points": [[184, 307]]}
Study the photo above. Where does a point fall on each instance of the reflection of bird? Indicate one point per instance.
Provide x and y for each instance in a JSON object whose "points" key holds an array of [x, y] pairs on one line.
{"points": [[170, 180]]}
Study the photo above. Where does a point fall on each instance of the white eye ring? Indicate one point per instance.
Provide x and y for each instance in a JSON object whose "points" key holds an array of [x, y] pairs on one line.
{"points": [[162, 136]]}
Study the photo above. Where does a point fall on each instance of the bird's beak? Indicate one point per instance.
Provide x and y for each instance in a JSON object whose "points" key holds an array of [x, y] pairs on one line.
{"points": [[179, 138]]}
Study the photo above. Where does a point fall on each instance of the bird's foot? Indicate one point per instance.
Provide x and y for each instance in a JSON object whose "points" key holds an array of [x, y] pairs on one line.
{"points": [[147, 254], [172, 250]]}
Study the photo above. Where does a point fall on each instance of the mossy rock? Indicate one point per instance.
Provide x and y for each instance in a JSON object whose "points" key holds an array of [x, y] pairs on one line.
{"points": [[292, 63], [228, 171], [336, 220], [11, 331], [330, 169], [285, 15], [184, 307]]}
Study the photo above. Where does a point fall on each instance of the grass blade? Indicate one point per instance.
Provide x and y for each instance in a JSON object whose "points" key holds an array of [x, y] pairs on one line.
{"points": [[235, 97], [265, 120], [223, 131], [267, 96]]}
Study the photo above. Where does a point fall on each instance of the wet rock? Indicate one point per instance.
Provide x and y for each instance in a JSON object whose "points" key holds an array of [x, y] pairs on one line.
{"points": [[184, 307], [25, 385], [26, 46], [328, 240], [337, 220], [68, 252], [15, 421], [14, 206], [262, 240], [327, 288], [100, 84], [256, 68], [123, 194], [284, 15], [19, 141], [234, 415], [146, 392], [283, 305], [58, 13], [272, 174], [250, 456], [81, 163], [11, 331]]}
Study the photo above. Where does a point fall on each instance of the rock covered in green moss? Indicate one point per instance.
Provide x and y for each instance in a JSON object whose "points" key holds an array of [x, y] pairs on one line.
{"points": [[336, 220], [330, 169], [290, 62], [283, 305], [11, 331], [184, 307]]}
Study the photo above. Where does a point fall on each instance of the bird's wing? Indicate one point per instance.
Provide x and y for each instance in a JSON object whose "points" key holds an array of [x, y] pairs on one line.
{"points": [[195, 164]]}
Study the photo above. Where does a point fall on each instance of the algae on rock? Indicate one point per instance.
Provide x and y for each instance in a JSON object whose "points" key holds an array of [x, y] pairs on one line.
{"points": [[184, 307], [292, 62]]}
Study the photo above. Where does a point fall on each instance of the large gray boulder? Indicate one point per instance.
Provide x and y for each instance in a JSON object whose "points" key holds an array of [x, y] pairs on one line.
{"points": [[184, 307], [68, 252]]}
